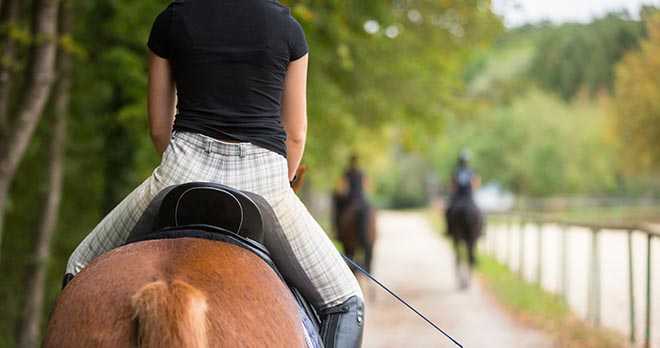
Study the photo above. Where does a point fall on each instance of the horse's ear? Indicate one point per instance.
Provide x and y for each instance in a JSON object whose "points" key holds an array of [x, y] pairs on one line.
{"points": [[300, 173]]}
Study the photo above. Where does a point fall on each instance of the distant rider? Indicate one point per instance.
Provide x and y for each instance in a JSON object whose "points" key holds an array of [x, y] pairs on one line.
{"points": [[464, 181]]}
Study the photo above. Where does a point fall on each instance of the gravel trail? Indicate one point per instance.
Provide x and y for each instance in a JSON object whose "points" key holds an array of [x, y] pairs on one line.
{"points": [[412, 260]]}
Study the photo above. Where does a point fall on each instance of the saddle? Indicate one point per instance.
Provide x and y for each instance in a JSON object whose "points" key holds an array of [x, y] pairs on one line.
{"points": [[208, 211], [219, 213]]}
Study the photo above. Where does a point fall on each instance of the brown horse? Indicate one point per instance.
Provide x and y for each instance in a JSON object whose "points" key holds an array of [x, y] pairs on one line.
{"points": [[355, 227], [347, 223], [180, 292], [186, 292]]}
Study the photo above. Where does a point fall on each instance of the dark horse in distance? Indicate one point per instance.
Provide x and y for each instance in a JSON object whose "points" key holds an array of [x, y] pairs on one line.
{"points": [[354, 222], [464, 225]]}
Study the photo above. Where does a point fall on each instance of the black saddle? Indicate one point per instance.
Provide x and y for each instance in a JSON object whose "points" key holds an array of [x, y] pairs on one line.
{"points": [[209, 204], [215, 212], [214, 205], [204, 210]]}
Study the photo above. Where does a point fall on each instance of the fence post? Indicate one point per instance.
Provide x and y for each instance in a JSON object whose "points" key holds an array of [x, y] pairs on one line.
{"points": [[593, 299], [647, 340], [493, 243], [509, 247], [564, 262], [631, 287], [539, 253], [597, 275], [521, 249]]}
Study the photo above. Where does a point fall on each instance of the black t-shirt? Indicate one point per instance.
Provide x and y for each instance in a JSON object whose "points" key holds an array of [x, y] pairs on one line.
{"points": [[229, 59], [355, 180]]}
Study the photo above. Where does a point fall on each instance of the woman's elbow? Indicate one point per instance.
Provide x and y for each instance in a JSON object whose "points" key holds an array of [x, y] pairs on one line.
{"points": [[296, 131], [297, 137], [155, 133], [159, 135]]}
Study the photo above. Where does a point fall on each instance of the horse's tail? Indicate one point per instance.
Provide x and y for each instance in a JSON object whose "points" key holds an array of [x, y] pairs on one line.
{"points": [[172, 316]]}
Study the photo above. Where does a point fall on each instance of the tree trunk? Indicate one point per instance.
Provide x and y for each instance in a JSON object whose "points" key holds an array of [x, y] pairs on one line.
{"points": [[30, 330], [8, 18], [36, 283], [33, 96]]}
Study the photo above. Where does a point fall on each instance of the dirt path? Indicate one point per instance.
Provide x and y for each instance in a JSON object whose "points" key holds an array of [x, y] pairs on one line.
{"points": [[418, 265]]}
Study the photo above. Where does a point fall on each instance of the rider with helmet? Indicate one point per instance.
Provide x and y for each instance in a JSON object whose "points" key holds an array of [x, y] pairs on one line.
{"points": [[465, 180]]}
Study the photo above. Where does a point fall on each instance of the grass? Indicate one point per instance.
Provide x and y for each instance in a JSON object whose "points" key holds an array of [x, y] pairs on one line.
{"points": [[538, 308]]}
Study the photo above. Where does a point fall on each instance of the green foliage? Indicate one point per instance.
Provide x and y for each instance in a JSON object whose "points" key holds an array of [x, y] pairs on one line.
{"points": [[573, 57], [373, 88], [22, 219], [531, 142], [536, 146], [106, 126], [500, 75], [405, 185]]}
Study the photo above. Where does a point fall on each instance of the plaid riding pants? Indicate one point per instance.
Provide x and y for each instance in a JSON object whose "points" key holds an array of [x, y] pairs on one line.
{"points": [[299, 247]]}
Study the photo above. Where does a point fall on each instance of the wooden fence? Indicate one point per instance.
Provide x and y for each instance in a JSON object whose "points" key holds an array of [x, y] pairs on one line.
{"points": [[593, 313]]}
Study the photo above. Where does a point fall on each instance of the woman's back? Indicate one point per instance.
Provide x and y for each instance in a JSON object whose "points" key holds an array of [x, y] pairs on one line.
{"points": [[229, 59]]}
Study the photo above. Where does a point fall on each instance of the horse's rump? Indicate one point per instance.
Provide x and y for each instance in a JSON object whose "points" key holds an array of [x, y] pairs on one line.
{"points": [[175, 291]]}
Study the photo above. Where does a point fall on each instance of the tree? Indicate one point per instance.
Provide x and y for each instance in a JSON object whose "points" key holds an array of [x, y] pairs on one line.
{"points": [[637, 104], [572, 57], [16, 132], [536, 146], [383, 71], [30, 329]]}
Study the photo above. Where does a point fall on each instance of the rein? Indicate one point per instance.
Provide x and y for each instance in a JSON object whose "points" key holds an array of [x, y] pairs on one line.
{"points": [[400, 299]]}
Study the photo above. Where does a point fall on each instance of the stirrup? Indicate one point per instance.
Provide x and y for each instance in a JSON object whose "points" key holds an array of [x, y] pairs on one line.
{"points": [[342, 325]]}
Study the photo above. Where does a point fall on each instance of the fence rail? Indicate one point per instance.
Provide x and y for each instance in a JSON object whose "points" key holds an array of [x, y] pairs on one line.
{"points": [[593, 313]]}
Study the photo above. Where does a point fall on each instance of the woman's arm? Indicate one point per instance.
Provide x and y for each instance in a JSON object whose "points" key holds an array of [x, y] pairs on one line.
{"points": [[161, 101], [294, 112], [476, 182]]}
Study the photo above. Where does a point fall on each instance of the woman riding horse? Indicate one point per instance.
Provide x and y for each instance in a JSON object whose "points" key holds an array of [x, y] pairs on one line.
{"points": [[203, 279], [463, 218], [354, 219], [236, 73]]}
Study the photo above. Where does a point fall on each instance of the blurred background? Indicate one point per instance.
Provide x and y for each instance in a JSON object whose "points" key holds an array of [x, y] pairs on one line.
{"points": [[560, 111]]}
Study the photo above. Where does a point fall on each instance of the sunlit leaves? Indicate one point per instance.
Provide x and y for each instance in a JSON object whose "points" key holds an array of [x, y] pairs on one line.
{"points": [[536, 146], [637, 101], [378, 65]]}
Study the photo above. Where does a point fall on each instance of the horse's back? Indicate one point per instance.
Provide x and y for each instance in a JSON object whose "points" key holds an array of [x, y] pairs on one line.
{"points": [[464, 217], [244, 301]]}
